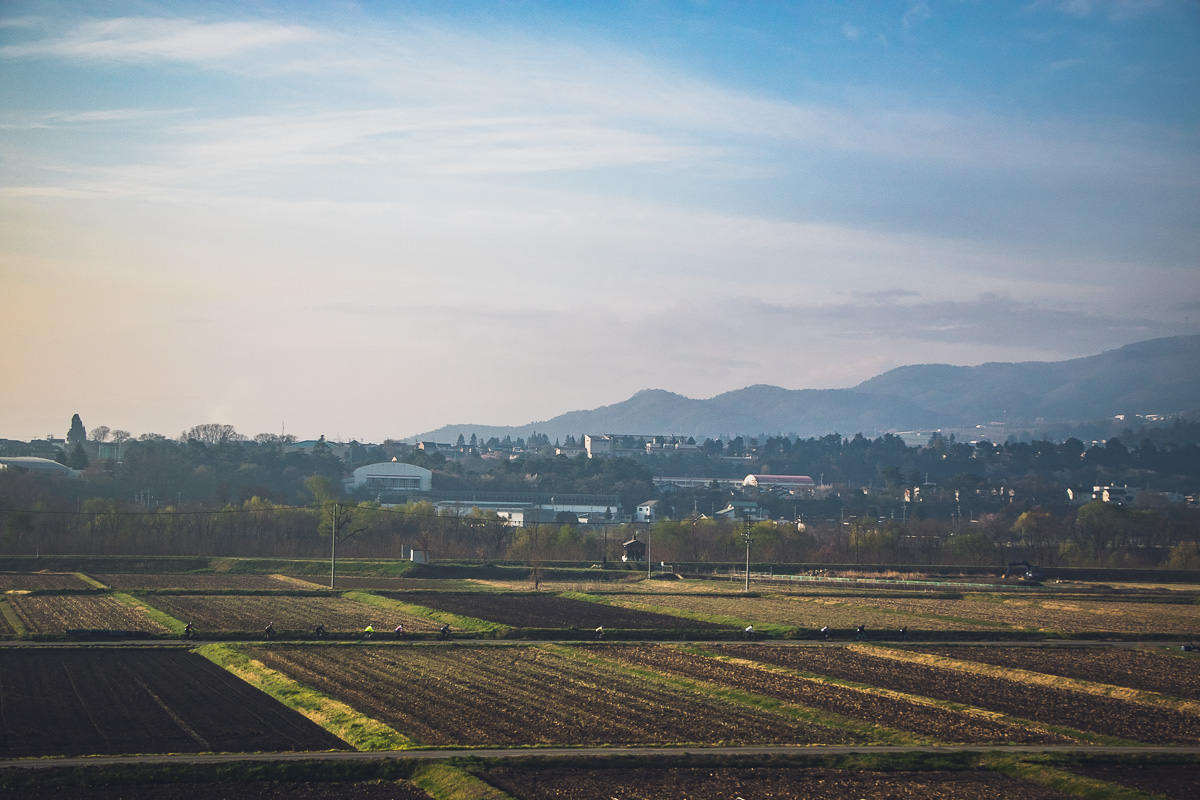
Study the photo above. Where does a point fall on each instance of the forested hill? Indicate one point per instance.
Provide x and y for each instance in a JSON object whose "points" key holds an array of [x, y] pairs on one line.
{"points": [[1159, 376], [1153, 377]]}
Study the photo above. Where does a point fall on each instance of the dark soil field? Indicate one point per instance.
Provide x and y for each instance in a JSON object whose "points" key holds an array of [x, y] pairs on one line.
{"points": [[251, 613], [40, 580], [758, 783], [250, 790], [552, 611], [49, 613], [1149, 670], [386, 584], [927, 721], [201, 582], [1176, 781], [1102, 715], [94, 701], [526, 695]]}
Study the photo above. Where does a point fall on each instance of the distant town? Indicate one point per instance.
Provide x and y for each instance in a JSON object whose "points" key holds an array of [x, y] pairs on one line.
{"points": [[1128, 500]]}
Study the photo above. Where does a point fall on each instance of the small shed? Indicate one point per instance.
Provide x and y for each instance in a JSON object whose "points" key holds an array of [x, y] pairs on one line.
{"points": [[633, 550]]}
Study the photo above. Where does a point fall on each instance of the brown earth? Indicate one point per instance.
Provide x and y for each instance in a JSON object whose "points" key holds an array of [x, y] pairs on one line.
{"points": [[250, 790], [552, 611], [758, 783], [24, 581], [49, 613], [932, 722], [1145, 669], [1049, 614], [1102, 715], [517, 695], [88, 701], [1175, 781], [289, 614], [202, 582], [799, 612]]}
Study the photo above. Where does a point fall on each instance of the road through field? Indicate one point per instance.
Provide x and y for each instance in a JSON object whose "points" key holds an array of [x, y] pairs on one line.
{"points": [[578, 752]]}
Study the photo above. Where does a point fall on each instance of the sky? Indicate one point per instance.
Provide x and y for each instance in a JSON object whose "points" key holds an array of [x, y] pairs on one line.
{"points": [[368, 220]]}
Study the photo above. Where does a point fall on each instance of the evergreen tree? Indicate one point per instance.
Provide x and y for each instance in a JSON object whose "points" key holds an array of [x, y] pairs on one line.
{"points": [[77, 434], [78, 458]]}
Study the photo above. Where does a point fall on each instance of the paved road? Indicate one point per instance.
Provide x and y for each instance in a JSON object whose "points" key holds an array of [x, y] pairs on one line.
{"points": [[550, 752]]}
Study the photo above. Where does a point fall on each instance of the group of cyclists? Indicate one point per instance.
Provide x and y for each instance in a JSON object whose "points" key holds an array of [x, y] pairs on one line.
{"points": [[319, 632], [860, 633]]}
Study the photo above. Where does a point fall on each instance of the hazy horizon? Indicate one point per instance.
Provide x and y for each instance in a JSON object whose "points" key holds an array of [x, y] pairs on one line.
{"points": [[369, 220]]}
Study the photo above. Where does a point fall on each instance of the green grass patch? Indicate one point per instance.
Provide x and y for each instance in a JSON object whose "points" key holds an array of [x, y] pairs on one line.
{"points": [[448, 782], [10, 616], [467, 624], [360, 731], [90, 581], [161, 617]]}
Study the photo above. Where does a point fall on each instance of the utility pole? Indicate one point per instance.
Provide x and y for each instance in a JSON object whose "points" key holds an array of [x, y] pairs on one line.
{"points": [[333, 550], [749, 539]]}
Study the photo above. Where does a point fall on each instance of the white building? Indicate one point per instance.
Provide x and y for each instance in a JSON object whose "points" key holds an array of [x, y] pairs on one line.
{"points": [[391, 476], [597, 445], [647, 512], [788, 483], [42, 465]]}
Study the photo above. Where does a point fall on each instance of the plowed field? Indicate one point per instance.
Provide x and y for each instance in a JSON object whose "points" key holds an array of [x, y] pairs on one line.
{"points": [[525, 696], [58, 613], [202, 582], [253, 612], [1101, 715], [69, 701], [931, 722], [801, 613], [762, 783], [1175, 781], [40, 580], [1137, 669], [5, 628], [1073, 616], [250, 790], [551, 611], [393, 584]]}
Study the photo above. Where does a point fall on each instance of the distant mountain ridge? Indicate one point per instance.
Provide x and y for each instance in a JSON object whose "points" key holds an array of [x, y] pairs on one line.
{"points": [[1155, 376]]}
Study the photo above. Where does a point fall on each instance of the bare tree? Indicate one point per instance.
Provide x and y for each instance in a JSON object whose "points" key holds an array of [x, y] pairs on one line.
{"points": [[99, 433], [212, 433]]}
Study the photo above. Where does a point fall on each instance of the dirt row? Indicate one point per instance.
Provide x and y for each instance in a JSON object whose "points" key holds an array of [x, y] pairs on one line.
{"points": [[552, 611]]}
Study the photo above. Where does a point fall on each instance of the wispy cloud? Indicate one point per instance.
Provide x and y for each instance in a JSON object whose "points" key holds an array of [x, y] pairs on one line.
{"points": [[143, 39]]}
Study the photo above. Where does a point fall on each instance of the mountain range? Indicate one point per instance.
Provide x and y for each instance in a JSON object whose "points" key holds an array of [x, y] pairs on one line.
{"points": [[1159, 376]]}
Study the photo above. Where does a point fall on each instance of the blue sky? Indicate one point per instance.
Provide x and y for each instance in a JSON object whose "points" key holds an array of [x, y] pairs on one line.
{"points": [[371, 219]]}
